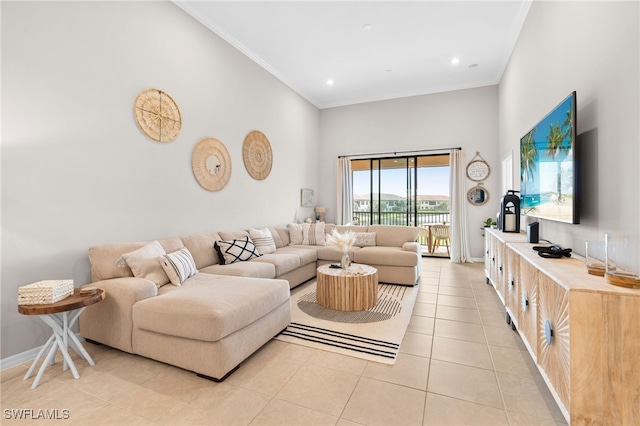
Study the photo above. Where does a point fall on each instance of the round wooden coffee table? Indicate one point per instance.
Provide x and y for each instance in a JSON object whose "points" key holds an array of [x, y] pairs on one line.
{"points": [[355, 289]]}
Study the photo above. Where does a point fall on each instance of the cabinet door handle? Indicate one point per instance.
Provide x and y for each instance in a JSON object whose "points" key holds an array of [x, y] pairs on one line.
{"points": [[511, 283]]}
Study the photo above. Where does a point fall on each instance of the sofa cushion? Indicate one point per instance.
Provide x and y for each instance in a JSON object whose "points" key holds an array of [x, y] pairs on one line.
{"points": [[353, 228], [334, 254], [313, 234], [209, 307], [305, 253], [283, 262], [263, 239], [104, 257], [179, 265], [201, 248], [233, 235], [281, 236], [393, 236], [295, 233], [243, 269], [146, 262], [236, 250], [385, 256]]}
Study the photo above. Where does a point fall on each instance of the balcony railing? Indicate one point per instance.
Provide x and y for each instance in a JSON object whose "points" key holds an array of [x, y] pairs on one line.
{"points": [[400, 218]]}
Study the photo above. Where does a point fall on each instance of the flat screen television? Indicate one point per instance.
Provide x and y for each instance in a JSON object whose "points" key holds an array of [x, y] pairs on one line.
{"points": [[549, 178]]}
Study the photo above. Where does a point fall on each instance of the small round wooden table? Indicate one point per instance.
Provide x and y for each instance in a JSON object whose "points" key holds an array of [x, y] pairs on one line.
{"points": [[355, 289], [62, 334]]}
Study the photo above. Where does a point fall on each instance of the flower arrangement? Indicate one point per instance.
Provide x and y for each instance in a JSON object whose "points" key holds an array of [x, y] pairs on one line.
{"points": [[342, 242]]}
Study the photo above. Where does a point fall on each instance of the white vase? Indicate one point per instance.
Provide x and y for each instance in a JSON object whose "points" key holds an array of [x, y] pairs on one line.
{"points": [[345, 262]]}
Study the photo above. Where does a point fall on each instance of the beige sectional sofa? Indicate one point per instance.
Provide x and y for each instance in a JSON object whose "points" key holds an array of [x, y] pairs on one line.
{"points": [[220, 315]]}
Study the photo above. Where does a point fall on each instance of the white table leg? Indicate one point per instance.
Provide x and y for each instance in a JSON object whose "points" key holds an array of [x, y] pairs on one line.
{"points": [[35, 361], [76, 344], [45, 363], [61, 338], [65, 328]]}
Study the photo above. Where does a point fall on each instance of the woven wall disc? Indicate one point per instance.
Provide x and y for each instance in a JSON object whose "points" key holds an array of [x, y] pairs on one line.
{"points": [[257, 156], [157, 115], [211, 164]]}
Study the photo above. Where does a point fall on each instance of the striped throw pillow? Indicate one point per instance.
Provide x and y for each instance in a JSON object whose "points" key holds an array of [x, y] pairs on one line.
{"points": [[263, 240], [179, 265], [313, 234]]}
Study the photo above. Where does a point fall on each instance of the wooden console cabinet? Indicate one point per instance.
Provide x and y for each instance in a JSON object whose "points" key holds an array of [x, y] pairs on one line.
{"points": [[583, 332]]}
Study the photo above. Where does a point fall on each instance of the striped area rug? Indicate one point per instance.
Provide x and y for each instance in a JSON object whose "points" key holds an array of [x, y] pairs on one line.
{"points": [[374, 334]]}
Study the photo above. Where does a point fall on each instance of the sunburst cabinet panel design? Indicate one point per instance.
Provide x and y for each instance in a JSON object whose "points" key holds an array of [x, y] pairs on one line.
{"points": [[553, 335], [527, 315], [512, 284], [583, 333]]}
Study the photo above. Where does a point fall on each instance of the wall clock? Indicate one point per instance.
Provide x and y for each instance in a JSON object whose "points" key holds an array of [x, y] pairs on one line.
{"points": [[157, 115], [478, 169], [211, 164], [257, 155]]}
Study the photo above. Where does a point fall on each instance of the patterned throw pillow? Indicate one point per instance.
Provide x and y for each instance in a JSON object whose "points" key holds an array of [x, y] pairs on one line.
{"points": [[179, 266], [263, 240], [365, 239], [295, 233], [236, 250], [313, 234]]}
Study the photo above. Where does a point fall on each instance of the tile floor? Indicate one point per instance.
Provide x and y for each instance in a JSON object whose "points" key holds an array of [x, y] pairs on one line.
{"points": [[459, 364]]}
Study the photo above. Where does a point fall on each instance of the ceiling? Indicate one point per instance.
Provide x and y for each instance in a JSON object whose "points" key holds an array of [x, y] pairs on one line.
{"points": [[369, 50]]}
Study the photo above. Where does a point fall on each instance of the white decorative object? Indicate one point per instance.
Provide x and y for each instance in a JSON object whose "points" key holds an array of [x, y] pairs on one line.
{"points": [[45, 292], [342, 242]]}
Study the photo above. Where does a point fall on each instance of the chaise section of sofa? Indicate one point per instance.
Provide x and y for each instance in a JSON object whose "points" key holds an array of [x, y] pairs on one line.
{"points": [[211, 323]]}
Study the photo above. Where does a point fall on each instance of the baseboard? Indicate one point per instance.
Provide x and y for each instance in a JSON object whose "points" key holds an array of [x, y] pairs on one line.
{"points": [[25, 356]]}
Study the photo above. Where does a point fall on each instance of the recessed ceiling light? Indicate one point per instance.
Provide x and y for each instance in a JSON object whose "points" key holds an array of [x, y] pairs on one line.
{"points": [[367, 27], [329, 82], [455, 61]]}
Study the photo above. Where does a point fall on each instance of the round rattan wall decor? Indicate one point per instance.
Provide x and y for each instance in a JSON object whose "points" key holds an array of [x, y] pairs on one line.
{"points": [[157, 115], [211, 164], [257, 155]]}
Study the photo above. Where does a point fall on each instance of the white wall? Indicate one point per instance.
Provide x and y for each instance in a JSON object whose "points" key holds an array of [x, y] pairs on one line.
{"points": [[464, 118], [77, 171], [593, 48]]}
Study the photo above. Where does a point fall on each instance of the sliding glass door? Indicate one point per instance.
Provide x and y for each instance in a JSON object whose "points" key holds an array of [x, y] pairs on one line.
{"points": [[412, 190]]}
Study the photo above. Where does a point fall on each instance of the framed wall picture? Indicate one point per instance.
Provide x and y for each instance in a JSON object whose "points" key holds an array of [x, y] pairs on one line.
{"points": [[306, 197]]}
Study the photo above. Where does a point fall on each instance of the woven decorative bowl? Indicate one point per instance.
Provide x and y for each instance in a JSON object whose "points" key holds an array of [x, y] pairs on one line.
{"points": [[257, 155]]}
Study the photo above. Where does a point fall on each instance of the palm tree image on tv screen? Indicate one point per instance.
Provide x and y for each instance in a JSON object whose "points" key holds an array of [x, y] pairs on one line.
{"points": [[548, 166]]}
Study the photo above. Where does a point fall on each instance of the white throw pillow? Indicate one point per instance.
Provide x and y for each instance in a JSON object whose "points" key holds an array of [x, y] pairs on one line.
{"points": [[295, 233], [146, 262], [179, 266], [365, 239], [263, 240], [313, 234]]}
